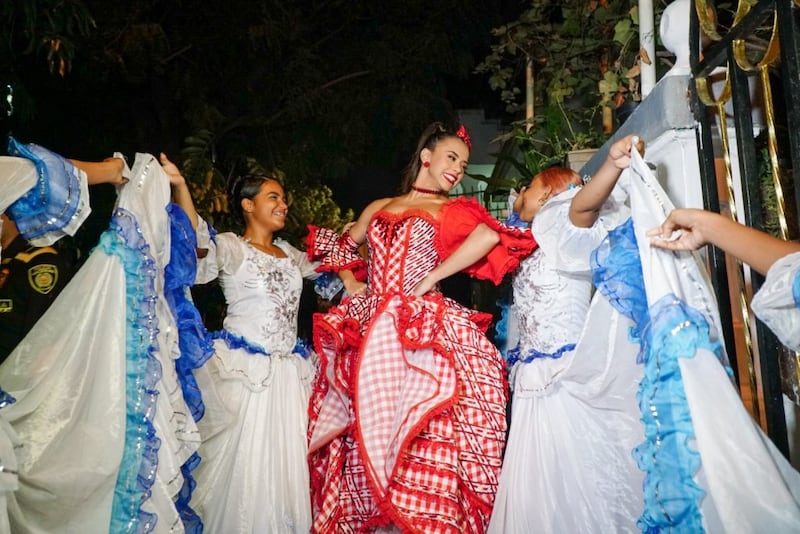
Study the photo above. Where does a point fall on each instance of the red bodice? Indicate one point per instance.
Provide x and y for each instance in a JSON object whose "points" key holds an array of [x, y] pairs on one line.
{"points": [[401, 250]]}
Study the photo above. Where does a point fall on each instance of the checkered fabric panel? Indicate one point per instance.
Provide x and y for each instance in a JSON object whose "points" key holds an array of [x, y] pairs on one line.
{"points": [[424, 466]]}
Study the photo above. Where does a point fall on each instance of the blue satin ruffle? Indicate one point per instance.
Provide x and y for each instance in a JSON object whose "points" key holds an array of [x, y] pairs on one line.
{"points": [[234, 341], [179, 275], [191, 521], [501, 327], [514, 220], [53, 201], [6, 398], [514, 355], [327, 285], [193, 341], [617, 274]]}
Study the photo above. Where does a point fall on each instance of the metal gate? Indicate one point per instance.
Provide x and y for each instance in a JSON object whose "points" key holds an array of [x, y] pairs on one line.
{"points": [[750, 175]]}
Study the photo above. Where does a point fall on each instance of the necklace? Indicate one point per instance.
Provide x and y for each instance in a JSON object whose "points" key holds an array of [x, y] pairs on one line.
{"points": [[427, 191]]}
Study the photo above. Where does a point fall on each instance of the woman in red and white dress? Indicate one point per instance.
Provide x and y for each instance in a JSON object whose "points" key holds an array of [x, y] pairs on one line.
{"points": [[408, 413]]}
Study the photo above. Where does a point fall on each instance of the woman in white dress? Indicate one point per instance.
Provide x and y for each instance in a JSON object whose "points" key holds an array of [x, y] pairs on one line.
{"points": [[253, 476], [705, 465], [567, 466]]}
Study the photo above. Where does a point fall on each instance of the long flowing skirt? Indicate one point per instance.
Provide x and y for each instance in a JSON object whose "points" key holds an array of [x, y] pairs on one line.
{"points": [[253, 476]]}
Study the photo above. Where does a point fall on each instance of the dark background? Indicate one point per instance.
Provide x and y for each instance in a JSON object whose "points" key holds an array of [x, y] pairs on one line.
{"points": [[331, 92]]}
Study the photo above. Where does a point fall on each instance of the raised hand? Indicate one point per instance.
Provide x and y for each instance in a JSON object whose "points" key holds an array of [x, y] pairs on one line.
{"points": [[174, 174]]}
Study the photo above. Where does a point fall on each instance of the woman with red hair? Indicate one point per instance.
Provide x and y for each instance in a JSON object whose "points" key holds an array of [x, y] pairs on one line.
{"points": [[567, 465]]}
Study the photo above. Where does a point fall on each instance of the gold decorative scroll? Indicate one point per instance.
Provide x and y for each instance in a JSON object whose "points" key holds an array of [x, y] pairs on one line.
{"points": [[771, 56], [705, 95], [707, 16]]}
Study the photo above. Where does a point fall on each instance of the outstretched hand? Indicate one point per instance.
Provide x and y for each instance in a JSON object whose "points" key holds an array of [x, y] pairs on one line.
{"points": [[681, 230], [174, 174]]}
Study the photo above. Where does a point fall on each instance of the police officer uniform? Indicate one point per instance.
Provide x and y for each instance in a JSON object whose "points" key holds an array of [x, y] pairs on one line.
{"points": [[30, 279]]}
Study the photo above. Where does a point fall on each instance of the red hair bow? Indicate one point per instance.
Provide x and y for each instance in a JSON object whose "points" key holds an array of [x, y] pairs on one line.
{"points": [[464, 136]]}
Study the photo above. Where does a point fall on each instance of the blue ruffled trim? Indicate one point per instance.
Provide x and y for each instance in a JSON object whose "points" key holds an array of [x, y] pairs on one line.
{"points": [[533, 354], [193, 340], [327, 285], [668, 331], [515, 221], [191, 521], [796, 288], [6, 398], [617, 274], [234, 341], [672, 498], [143, 371], [501, 327], [302, 348], [53, 201], [179, 275]]}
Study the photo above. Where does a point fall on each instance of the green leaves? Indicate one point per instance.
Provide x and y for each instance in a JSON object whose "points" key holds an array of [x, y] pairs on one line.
{"points": [[572, 45]]}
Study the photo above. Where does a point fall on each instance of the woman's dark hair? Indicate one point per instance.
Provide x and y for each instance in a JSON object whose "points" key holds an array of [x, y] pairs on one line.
{"points": [[245, 186], [430, 137]]}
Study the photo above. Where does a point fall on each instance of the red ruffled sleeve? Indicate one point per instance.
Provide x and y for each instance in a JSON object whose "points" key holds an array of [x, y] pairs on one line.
{"points": [[334, 252], [459, 217]]}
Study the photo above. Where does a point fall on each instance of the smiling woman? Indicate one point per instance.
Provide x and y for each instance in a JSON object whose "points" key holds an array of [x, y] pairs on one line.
{"points": [[254, 475], [408, 410]]}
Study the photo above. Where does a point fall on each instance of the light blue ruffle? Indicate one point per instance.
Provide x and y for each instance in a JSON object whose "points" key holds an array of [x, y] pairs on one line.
{"points": [[669, 330], [53, 201], [143, 371], [501, 327], [796, 288], [617, 273], [514, 220]]}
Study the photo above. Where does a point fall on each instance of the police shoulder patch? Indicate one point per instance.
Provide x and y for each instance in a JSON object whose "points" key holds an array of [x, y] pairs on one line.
{"points": [[43, 277]]}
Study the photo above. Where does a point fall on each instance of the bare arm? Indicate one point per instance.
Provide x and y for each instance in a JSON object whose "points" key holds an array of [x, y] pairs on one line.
{"points": [[700, 227], [358, 230], [585, 207], [479, 242], [351, 283], [108, 171], [180, 190]]}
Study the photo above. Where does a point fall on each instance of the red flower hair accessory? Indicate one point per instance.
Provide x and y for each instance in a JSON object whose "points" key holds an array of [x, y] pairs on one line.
{"points": [[462, 134]]}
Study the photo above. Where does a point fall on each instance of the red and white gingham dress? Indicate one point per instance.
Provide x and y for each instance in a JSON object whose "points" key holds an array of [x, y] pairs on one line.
{"points": [[408, 412]]}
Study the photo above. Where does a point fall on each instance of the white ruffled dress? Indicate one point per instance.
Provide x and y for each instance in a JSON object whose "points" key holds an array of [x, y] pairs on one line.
{"points": [[101, 416], [704, 464], [253, 476]]}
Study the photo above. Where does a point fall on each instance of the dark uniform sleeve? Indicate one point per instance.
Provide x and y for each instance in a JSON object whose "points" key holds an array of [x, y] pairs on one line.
{"points": [[29, 283]]}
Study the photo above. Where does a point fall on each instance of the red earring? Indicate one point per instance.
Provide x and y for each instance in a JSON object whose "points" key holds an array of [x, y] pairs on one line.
{"points": [[426, 163]]}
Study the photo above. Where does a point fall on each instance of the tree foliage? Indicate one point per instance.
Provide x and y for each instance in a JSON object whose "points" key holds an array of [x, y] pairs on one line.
{"points": [[313, 90], [585, 59]]}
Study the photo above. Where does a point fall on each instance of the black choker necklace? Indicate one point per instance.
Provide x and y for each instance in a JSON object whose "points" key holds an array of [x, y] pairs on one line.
{"points": [[428, 191]]}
